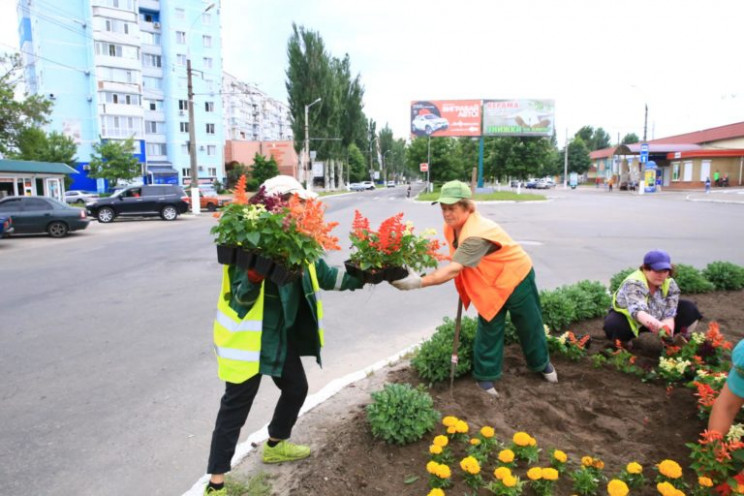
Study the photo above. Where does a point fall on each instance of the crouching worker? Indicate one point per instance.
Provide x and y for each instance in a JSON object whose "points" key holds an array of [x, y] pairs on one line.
{"points": [[648, 301], [263, 329]]}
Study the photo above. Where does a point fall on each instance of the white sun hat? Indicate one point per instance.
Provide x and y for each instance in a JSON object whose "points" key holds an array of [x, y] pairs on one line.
{"points": [[281, 185]]}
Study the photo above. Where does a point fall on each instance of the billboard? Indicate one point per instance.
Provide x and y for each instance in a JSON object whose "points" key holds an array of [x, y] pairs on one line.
{"points": [[518, 117], [446, 118]]}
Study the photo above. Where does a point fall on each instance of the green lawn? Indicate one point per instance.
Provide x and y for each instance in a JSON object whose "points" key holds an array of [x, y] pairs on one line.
{"points": [[496, 196]]}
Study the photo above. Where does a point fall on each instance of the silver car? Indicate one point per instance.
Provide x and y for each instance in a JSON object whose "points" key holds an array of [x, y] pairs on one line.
{"points": [[79, 196]]}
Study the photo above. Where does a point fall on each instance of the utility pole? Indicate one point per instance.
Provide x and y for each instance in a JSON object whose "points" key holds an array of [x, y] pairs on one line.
{"points": [[195, 203], [565, 163]]}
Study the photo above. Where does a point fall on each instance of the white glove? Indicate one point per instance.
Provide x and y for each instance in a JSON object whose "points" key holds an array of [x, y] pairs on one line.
{"points": [[411, 281]]}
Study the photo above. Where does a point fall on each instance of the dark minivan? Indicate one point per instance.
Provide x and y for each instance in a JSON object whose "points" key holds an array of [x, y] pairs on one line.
{"points": [[165, 200]]}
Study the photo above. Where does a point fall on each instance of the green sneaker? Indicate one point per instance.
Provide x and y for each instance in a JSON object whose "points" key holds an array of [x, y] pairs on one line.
{"points": [[285, 452], [210, 491]]}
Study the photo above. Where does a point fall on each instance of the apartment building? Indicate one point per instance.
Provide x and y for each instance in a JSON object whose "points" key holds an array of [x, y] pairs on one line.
{"points": [[118, 68], [252, 115]]}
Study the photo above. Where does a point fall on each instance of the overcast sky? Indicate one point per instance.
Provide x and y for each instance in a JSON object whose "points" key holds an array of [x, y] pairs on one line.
{"points": [[600, 61]]}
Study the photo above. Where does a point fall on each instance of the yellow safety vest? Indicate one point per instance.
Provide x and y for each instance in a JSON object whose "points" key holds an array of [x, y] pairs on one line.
{"points": [[237, 342], [638, 275]]}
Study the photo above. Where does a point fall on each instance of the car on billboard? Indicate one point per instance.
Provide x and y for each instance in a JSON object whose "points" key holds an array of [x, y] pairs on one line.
{"points": [[428, 124]]}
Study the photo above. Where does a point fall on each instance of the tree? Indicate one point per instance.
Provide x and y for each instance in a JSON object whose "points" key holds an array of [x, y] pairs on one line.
{"points": [[594, 139], [262, 170], [113, 160], [578, 156], [35, 144], [630, 138], [357, 165], [16, 116]]}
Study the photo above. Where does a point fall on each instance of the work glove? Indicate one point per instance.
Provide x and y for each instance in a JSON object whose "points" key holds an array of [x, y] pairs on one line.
{"points": [[411, 281]]}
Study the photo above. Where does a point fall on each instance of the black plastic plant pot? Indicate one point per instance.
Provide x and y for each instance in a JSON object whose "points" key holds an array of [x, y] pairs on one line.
{"points": [[373, 276], [263, 265], [244, 259], [282, 275], [395, 273], [226, 254]]}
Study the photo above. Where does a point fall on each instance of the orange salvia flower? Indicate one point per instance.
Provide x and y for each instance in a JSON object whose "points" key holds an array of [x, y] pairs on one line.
{"points": [[239, 195]]}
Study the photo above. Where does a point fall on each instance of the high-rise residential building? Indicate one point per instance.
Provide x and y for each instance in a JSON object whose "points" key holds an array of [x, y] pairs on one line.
{"points": [[118, 68], [251, 115]]}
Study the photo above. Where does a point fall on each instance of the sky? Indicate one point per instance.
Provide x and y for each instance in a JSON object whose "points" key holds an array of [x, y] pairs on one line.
{"points": [[601, 61]]}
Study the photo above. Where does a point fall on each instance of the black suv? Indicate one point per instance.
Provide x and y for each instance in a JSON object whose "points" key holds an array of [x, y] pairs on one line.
{"points": [[165, 200]]}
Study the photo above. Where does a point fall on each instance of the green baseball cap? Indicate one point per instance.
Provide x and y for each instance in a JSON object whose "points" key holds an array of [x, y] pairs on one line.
{"points": [[453, 192]]}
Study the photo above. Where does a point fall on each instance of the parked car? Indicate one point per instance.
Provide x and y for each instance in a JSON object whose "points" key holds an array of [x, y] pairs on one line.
{"points": [[531, 184], [428, 124], [545, 184], [38, 214], [515, 183], [356, 187], [6, 225], [209, 200], [79, 196], [368, 185], [165, 200], [390, 184]]}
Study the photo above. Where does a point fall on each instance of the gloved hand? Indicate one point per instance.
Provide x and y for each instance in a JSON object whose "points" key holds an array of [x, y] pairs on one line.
{"points": [[411, 281]]}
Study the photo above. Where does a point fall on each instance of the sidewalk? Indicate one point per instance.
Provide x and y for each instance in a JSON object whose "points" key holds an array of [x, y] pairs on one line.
{"points": [[718, 195]]}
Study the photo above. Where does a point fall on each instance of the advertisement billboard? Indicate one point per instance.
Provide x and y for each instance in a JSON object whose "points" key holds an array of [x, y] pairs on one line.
{"points": [[518, 117], [446, 118]]}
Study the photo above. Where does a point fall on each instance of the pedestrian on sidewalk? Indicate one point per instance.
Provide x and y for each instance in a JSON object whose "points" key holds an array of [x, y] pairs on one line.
{"points": [[707, 185], [494, 273], [263, 329]]}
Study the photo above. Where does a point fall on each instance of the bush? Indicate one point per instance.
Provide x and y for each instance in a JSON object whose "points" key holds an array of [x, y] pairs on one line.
{"points": [[690, 280], [558, 310], [725, 275], [590, 298], [400, 414], [617, 279], [432, 360]]}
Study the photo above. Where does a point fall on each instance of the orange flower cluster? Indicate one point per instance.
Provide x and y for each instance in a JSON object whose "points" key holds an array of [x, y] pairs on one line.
{"points": [[721, 448], [239, 195], [706, 394], [308, 219], [360, 226], [716, 338]]}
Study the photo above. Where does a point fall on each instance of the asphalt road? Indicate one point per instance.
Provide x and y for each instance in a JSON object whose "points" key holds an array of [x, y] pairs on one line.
{"points": [[109, 383]]}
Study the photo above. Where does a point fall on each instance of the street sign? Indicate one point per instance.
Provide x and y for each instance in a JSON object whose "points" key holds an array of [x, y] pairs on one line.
{"points": [[424, 167], [644, 153]]}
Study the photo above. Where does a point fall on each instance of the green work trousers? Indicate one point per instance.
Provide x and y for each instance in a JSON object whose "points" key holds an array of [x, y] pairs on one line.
{"points": [[523, 306]]}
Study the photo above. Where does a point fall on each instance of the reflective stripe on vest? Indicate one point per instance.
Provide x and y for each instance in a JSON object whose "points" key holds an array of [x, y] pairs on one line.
{"points": [[318, 302], [639, 276]]}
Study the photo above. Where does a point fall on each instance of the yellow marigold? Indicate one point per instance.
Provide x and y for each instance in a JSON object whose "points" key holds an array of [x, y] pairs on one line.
{"points": [[475, 441], [461, 427], [431, 467], [549, 474], [436, 492], [560, 456], [665, 488], [501, 472], [670, 468], [441, 441], [533, 441], [506, 456], [587, 461], [443, 472], [435, 450], [487, 432], [634, 468], [616, 487], [598, 464], [470, 465], [509, 480], [535, 473], [451, 430], [705, 481], [449, 421], [521, 439]]}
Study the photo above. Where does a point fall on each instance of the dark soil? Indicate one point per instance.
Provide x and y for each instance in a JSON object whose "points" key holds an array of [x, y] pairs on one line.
{"points": [[597, 412]]}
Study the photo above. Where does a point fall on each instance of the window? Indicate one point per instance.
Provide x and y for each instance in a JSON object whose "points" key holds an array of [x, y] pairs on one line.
{"points": [[180, 59], [704, 170], [116, 126], [180, 14], [210, 128], [211, 150], [184, 127], [154, 105], [206, 18], [212, 171], [151, 60], [152, 83], [150, 38], [181, 37], [186, 172], [121, 98], [185, 149], [151, 127], [675, 171], [116, 75], [207, 41], [208, 62], [155, 149], [209, 106], [183, 104]]}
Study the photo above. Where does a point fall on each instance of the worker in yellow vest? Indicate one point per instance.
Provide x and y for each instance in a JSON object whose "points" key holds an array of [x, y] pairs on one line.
{"points": [[263, 329], [495, 274], [648, 301]]}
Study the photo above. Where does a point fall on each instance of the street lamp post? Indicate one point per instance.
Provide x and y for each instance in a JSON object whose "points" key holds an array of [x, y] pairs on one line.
{"points": [[384, 162], [195, 203], [306, 164]]}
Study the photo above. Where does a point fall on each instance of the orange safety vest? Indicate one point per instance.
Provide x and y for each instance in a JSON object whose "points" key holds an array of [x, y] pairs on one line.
{"points": [[489, 284]]}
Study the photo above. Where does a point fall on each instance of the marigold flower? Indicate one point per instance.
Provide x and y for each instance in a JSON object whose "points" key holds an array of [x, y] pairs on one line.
{"points": [[670, 468], [506, 456], [443, 471], [598, 464], [705, 481], [587, 461], [665, 488], [501, 472], [550, 474], [509, 480], [435, 450], [452, 430], [461, 427], [521, 439], [634, 468], [535, 473], [475, 441], [560, 456], [436, 492], [616, 487], [470, 465], [449, 421], [431, 467], [487, 432], [441, 441]]}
